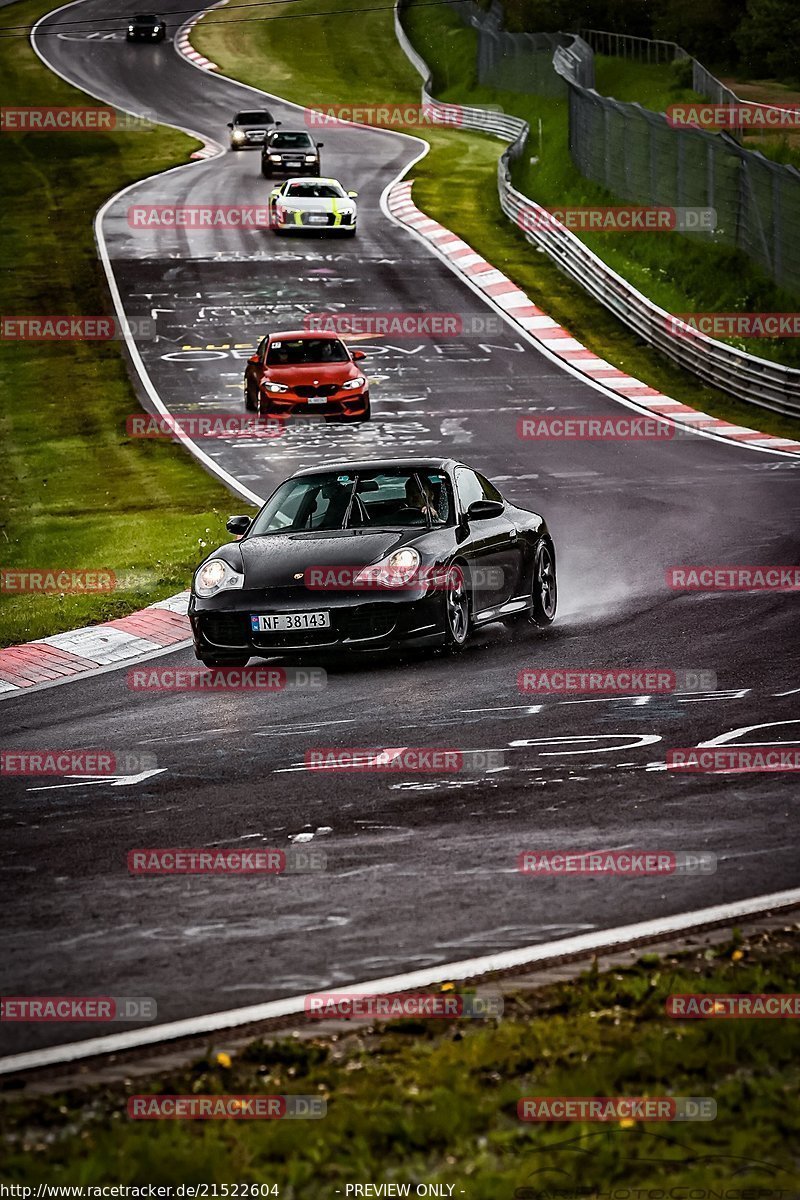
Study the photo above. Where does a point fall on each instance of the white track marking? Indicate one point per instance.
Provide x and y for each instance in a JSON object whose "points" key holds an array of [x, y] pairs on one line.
{"points": [[597, 942]]}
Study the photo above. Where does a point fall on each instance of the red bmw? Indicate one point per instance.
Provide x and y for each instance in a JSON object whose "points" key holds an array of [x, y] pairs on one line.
{"points": [[304, 374]]}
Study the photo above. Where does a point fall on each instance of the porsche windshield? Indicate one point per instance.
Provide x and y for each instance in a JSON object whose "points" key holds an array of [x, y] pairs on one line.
{"points": [[356, 500], [298, 352]]}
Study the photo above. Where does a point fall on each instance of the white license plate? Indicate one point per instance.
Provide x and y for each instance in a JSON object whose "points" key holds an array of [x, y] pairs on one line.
{"points": [[317, 399], [293, 165], [317, 219], [282, 622]]}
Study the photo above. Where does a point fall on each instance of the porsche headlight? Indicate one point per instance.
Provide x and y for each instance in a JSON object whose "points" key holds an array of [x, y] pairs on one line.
{"points": [[216, 576], [398, 569], [358, 382]]}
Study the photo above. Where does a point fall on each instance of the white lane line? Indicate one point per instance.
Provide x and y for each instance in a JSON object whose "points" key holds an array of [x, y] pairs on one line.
{"points": [[598, 941], [224, 476]]}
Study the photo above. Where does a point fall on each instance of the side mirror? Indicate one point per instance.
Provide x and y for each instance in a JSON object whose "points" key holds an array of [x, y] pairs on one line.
{"points": [[277, 123], [230, 124], [353, 194], [357, 355], [237, 525], [320, 145], [484, 510], [254, 358]]}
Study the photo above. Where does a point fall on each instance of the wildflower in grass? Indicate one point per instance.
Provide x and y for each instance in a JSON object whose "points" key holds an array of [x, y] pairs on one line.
{"points": [[223, 1059]]}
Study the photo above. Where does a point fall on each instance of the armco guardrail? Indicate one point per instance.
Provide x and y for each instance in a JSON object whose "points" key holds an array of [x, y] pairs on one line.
{"points": [[755, 380]]}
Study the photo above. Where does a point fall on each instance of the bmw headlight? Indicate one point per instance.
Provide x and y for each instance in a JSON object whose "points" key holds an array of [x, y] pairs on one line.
{"points": [[398, 569], [358, 382], [216, 576], [276, 387]]}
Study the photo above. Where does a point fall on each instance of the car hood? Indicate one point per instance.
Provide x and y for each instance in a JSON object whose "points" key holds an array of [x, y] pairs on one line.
{"points": [[274, 560], [314, 374]]}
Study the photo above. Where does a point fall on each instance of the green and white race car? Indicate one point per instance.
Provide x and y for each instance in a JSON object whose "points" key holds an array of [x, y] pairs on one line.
{"points": [[306, 204]]}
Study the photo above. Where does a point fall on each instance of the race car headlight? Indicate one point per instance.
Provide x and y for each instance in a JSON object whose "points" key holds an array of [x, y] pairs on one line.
{"points": [[276, 387], [216, 576], [396, 570], [311, 158], [358, 382]]}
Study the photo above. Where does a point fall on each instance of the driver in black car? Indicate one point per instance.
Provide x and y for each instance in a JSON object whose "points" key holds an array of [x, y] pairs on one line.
{"points": [[417, 497]]}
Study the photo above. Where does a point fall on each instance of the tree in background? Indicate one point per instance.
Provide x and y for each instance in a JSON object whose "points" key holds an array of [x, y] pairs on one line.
{"points": [[768, 39], [706, 28]]}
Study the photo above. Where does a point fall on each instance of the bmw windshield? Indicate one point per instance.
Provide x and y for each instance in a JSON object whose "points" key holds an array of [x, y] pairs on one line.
{"points": [[356, 500]]}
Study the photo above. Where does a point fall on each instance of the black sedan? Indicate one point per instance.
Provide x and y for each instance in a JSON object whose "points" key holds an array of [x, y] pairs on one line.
{"points": [[367, 555], [145, 27]]}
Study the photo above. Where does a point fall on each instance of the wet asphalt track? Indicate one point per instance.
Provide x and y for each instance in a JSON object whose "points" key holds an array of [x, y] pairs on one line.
{"points": [[421, 868]]}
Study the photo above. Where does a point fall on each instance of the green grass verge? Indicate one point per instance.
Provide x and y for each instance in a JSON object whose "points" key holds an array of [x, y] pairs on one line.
{"points": [[436, 1101], [76, 491], [680, 274], [312, 60]]}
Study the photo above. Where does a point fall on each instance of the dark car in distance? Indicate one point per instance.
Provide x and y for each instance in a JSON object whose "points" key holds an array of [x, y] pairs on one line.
{"points": [[145, 27], [289, 152], [367, 556]]}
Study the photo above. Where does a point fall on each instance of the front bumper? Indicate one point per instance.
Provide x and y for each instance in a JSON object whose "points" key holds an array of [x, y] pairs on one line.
{"points": [[360, 621], [341, 405], [280, 171], [301, 223]]}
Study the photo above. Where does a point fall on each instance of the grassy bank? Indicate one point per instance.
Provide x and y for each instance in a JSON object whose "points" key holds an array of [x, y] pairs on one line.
{"points": [[436, 1101], [311, 60], [77, 492], [680, 274]]}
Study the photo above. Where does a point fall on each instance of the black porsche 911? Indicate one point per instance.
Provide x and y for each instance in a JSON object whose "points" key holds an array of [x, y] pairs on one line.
{"points": [[145, 27], [368, 555]]}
